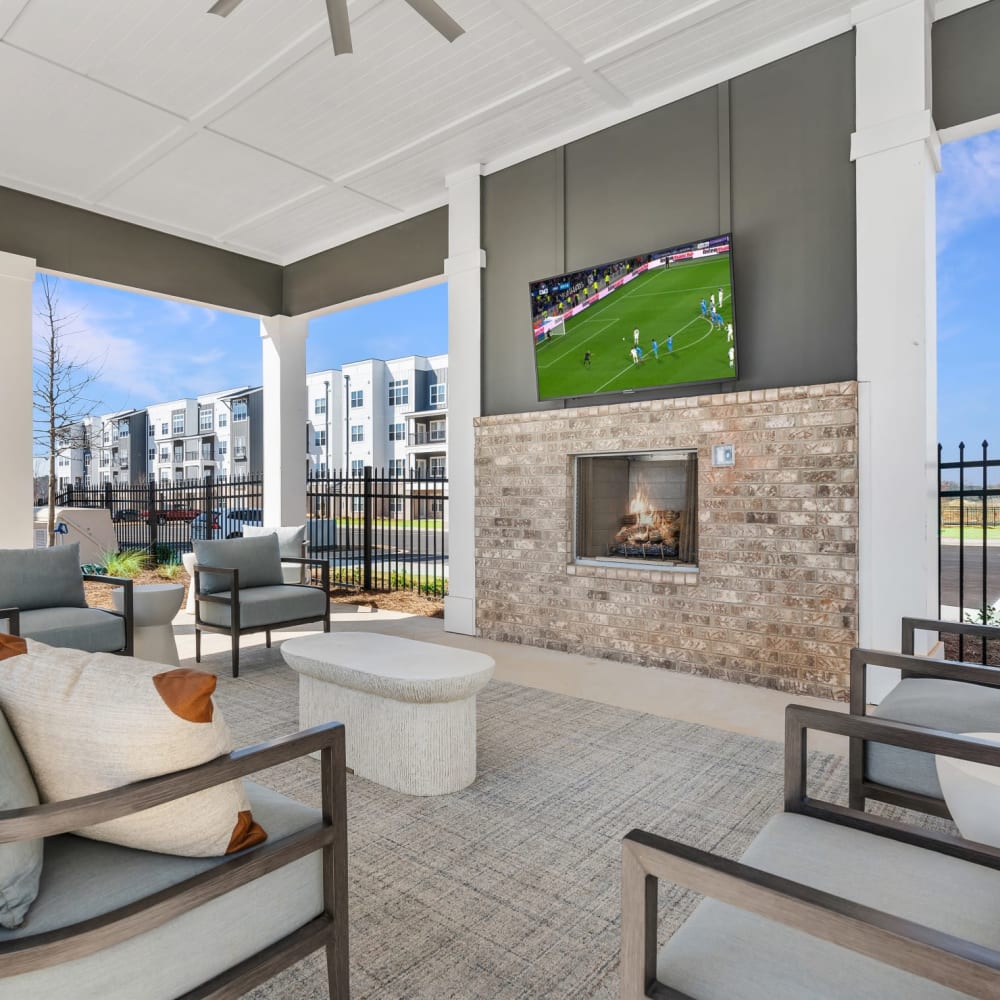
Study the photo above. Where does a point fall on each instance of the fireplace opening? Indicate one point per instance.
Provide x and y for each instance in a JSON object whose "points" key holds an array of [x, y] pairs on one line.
{"points": [[637, 508]]}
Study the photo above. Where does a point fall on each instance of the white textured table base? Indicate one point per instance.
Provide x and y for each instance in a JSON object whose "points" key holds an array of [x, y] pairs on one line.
{"points": [[408, 708]]}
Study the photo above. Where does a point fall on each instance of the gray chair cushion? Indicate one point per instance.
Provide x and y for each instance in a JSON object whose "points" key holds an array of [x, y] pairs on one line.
{"points": [[257, 559], [935, 703], [721, 952], [84, 878], [89, 629], [290, 545], [41, 578], [268, 606], [21, 861]]}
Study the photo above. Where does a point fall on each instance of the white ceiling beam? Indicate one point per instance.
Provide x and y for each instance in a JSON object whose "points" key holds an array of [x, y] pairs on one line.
{"points": [[10, 11], [557, 47], [945, 8]]}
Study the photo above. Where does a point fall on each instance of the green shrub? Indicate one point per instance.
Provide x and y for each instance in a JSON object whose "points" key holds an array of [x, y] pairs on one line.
{"points": [[170, 570], [128, 563]]}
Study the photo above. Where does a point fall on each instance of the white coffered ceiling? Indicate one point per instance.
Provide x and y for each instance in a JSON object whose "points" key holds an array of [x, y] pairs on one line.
{"points": [[248, 133]]}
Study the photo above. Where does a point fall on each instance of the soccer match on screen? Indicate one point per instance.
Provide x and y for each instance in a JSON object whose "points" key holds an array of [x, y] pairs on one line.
{"points": [[657, 319]]}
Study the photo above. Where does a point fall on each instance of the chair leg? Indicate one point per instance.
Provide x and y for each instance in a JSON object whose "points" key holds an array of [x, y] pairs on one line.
{"points": [[268, 634], [197, 645], [326, 624], [236, 654]]}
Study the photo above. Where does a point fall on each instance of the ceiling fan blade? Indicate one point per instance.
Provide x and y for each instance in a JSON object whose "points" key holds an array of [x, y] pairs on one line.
{"points": [[224, 7], [340, 26], [437, 18]]}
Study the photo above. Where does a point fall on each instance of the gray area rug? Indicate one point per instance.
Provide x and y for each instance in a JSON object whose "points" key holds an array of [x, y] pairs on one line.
{"points": [[510, 889]]}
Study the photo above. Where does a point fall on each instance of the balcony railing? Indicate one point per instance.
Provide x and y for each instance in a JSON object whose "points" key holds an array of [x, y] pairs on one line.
{"points": [[424, 436]]}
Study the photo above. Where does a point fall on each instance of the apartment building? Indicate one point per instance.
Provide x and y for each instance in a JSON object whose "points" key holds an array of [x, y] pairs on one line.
{"points": [[391, 415]]}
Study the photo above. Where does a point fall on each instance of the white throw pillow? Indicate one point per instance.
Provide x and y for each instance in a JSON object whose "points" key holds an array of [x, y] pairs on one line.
{"points": [[87, 722]]}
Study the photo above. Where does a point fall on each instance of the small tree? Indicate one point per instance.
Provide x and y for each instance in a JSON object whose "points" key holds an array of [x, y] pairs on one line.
{"points": [[60, 386]]}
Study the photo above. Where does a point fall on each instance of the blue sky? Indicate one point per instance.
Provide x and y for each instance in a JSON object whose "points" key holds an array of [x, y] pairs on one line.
{"points": [[153, 349], [150, 349], [968, 276]]}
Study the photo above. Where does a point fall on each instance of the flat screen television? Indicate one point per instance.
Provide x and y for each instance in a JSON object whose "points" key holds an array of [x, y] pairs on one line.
{"points": [[649, 321]]}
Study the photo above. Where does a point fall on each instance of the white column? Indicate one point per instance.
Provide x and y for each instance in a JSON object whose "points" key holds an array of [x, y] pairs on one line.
{"points": [[284, 347], [466, 259], [17, 495], [897, 154]]}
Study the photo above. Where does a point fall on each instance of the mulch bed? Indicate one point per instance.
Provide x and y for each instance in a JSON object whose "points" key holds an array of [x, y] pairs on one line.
{"points": [[972, 649], [408, 602]]}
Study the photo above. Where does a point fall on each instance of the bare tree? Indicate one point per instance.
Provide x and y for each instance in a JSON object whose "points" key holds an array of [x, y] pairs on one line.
{"points": [[60, 386]]}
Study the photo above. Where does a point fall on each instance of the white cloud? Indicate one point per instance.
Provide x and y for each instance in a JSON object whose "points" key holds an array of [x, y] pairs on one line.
{"points": [[969, 186]]}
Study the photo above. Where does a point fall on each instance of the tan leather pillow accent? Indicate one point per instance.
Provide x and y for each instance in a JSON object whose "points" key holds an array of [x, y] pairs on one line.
{"points": [[11, 645], [246, 833], [187, 693]]}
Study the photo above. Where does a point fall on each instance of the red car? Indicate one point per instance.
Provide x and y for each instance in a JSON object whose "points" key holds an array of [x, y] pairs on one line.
{"points": [[166, 514]]}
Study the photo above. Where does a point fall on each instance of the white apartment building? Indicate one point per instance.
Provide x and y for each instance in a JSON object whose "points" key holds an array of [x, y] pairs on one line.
{"points": [[391, 415]]}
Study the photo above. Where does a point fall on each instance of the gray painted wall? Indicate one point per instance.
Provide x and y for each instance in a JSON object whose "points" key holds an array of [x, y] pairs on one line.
{"points": [[771, 148], [78, 242], [409, 251], [966, 68]]}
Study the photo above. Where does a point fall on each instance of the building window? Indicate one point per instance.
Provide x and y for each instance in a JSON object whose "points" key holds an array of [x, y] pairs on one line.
{"points": [[438, 430], [439, 394], [239, 449], [397, 507], [164, 429], [357, 505], [397, 468], [357, 432], [320, 405], [152, 454], [123, 429], [177, 421], [399, 392], [357, 467], [357, 398], [205, 419], [221, 448], [239, 409], [223, 420], [152, 429], [319, 470], [397, 432], [319, 439], [164, 454], [437, 467]]}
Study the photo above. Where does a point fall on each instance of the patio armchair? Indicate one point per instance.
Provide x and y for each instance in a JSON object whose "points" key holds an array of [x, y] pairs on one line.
{"points": [[114, 923], [239, 588], [944, 695], [42, 598], [826, 902]]}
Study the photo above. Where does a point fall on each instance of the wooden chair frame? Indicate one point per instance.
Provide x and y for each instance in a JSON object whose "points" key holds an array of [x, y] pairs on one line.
{"points": [[329, 930], [234, 630], [13, 615], [934, 955], [910, 666]]}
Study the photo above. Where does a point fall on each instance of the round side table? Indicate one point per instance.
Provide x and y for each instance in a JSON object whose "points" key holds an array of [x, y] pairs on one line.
{"points": [[154, 606]]}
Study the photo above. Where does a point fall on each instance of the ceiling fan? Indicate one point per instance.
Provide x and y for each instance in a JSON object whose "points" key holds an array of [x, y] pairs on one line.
{"points": [[340, 25]]}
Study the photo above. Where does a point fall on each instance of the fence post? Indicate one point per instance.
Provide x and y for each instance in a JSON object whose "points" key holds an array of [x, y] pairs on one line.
{"points": [[69, 494], [108, 496], [368, 528], [209, 530], [152, 518]]}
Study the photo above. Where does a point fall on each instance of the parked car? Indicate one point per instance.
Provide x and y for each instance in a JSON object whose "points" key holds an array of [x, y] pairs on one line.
{"points": [[226, 522], [128, 514], [176, 513]]}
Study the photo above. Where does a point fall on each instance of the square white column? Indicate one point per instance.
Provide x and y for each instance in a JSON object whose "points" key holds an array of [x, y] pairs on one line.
{"points": [[897, 154], [17, 275], [466, 259], [283, 340]]}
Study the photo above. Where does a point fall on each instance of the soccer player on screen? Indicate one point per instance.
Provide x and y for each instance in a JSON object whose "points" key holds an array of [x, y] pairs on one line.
{"points": [[720, 297], [656, 350], [670, 344], [704, 308], [635, 336], [586, 359], [730, 333], [635, 355]]}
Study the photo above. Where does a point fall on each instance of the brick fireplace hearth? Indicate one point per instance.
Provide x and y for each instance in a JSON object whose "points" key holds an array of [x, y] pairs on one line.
{"points": [[773, 599]]}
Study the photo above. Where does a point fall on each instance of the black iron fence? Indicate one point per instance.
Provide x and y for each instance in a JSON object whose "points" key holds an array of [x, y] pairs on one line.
{"points": [[969, 534], [378, 531]]}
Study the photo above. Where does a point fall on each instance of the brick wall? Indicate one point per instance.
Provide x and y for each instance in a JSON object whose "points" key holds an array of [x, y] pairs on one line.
{"points": [[774, 600]]}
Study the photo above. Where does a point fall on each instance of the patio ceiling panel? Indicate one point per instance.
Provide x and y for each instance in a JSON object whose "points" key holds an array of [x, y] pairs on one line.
{"points": [[419, 176], [695, 49], [402, 84], [211, 184], [170, 53], [51, 145], [310, 221]]}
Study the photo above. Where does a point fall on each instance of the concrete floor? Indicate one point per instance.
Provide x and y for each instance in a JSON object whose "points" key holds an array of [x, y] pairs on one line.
{"points": [[739, 708]]}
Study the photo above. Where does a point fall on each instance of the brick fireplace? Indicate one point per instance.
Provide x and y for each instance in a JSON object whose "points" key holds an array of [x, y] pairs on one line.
{"points": [[767, 595]]}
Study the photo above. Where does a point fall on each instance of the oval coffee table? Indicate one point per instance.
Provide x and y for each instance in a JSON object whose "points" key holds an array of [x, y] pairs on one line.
{"points": [[408, 708], [154, 606]]}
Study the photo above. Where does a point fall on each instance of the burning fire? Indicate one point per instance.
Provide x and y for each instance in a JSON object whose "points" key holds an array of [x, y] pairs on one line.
{"points": [[641, 509]]}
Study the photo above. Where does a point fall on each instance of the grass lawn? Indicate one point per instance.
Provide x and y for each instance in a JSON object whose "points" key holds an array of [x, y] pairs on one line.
{"points": [[972, 531], [663, 303]]}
